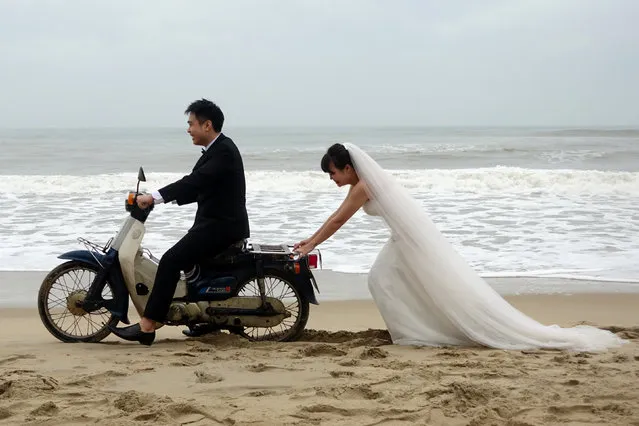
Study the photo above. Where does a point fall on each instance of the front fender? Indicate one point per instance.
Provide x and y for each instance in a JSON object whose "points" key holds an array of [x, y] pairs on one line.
{"points": [[109, 267], [85, 256]]}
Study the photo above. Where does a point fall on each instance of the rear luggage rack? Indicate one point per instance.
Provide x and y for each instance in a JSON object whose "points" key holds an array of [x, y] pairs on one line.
{"points": [[269, 248]]}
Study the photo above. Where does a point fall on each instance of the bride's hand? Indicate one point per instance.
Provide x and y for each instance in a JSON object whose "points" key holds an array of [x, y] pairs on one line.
{"points": [[305, 249], [301, 243]]}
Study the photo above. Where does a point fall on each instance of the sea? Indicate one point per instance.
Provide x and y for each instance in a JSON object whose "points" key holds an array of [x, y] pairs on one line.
{"points": [[515, 202]]}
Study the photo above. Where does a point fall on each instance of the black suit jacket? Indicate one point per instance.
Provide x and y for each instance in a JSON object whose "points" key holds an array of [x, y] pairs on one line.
{"points": [[218, 185]]}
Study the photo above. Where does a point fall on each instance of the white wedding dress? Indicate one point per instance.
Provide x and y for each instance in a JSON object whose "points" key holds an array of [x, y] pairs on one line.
{"points": [[429, 295]]}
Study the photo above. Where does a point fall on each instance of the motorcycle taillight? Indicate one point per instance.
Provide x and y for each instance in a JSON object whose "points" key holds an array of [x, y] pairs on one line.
{"points": [[312, 261]]}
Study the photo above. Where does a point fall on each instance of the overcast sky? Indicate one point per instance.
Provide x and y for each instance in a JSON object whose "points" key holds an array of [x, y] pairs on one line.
{"points": [[320, 63]]}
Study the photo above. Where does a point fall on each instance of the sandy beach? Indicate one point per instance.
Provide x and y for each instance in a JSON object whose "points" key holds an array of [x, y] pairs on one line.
{"points": [[343, 371]]}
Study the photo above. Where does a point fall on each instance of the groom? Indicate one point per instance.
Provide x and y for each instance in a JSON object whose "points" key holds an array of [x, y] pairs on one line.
{"points": [[217, 184]]}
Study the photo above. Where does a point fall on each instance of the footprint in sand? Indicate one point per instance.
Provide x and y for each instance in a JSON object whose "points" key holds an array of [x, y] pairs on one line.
{"points": [[561, 359], [199, 349], [143, 369], [454, 354], [350, 392], [25, 387], [464, 364], [186, 414], [187, 354], [322, 349], [10, 372], [147, 417], [331, 409], [203, 377], [261, 392], [571, 409], [133, 401], [46, 409], [401, 416], [5, 413], [435, 391], [91, 380], [620, 358], [338, 374], [185, 363], [373, 353], [470, 394], [15, 358], [260, 368], [400, 365], [395, 378]]}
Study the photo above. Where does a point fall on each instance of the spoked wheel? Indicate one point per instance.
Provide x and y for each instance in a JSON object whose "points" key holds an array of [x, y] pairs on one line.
{"points": [[60, 304], [278, 285]]}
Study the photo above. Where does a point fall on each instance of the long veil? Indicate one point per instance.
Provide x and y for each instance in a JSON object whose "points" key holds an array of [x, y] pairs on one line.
{"points": [[439, 277]]}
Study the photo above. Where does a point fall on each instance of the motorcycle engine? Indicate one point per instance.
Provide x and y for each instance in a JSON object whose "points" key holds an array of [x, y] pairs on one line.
{"points": [[183, 312]]}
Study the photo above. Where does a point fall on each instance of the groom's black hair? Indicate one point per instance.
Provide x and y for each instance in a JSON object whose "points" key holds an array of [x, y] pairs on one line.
{"points": [[203, 110], [338, 155]]}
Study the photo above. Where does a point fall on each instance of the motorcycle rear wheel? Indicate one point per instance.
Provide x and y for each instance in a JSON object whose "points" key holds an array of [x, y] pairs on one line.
{"points": [[59, 304], [278, 284]]}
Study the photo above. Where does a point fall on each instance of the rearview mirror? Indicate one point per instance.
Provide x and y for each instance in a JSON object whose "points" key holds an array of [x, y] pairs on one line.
{"points": [[141, 176]]}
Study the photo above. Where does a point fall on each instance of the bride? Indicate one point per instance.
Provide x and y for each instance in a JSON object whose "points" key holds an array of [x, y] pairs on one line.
{"points": [[425, 291]]}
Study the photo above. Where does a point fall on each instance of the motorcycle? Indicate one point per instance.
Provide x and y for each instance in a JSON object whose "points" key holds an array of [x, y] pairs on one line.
{"points": [[259, 291]]}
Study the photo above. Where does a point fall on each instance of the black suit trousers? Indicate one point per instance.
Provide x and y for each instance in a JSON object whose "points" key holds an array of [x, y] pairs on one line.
{"points": [[191, 249]]}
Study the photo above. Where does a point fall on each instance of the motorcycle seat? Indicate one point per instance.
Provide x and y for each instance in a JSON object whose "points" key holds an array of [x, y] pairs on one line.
{"points": [[232, 250]]}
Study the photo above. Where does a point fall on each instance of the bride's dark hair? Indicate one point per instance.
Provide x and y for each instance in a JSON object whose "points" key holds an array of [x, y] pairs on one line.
{"points": [[338, 155]]}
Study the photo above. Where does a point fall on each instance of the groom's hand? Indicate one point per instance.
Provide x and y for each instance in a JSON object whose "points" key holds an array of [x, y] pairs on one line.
{"points": [[145, 200]]}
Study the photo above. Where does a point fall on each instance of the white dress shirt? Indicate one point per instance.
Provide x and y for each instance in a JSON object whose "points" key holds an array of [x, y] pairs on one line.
{"points": [[157, 198]]}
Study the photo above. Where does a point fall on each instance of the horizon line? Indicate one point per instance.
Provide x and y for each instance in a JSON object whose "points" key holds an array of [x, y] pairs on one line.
{"points": [[350, 126]]}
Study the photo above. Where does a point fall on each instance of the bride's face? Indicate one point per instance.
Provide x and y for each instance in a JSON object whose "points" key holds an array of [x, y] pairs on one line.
{"points": [[345, 176]]}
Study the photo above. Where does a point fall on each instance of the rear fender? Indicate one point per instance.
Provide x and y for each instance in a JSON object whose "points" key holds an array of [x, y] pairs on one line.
{"points": [[304, 282]]}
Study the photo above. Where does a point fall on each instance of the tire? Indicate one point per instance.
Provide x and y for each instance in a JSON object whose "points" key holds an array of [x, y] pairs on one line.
{"points": [[297, 328], [61, 275]]}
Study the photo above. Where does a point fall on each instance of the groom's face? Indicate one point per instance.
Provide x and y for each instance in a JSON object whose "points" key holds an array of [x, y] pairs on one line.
{"points": [[199, 131]]}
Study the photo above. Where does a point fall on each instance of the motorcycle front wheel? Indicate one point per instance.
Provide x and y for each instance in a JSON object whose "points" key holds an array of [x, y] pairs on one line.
{"points": [[277, 284], [60, 304]]}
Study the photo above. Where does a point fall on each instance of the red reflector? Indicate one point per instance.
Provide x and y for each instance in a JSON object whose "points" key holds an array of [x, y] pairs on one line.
{"points": [[312, 261]]}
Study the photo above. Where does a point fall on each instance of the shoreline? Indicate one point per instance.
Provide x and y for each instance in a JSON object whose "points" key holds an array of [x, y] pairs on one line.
{"points": [[19, 289]]}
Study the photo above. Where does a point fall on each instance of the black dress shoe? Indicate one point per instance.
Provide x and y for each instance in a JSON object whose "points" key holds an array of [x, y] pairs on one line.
{"points": [[134, 333], [200, 330]]}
